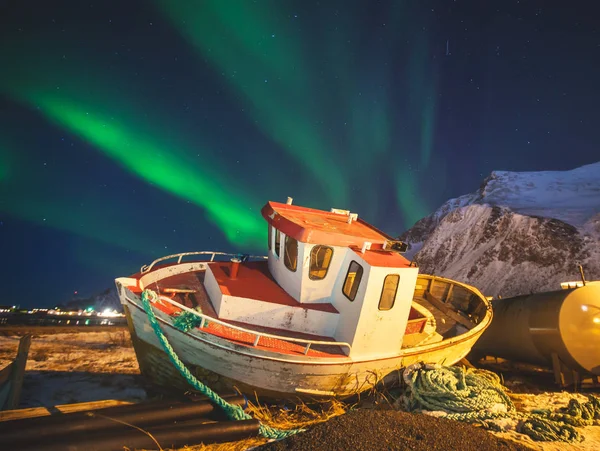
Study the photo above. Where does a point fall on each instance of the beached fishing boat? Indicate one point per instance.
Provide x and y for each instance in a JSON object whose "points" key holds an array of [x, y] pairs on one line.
{"points": [[334, 309]]}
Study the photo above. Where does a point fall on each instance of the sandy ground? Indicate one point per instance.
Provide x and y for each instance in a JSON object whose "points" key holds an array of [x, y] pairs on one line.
{"points": [[77, 367], [67, 368]]}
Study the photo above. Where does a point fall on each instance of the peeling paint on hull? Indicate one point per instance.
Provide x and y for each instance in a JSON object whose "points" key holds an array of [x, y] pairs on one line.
{"points": [[225, 366]]}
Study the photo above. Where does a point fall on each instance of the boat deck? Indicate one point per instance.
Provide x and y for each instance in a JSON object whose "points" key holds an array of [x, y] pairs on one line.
{"points": [[444, 323], [197, 298], [254, 281]]}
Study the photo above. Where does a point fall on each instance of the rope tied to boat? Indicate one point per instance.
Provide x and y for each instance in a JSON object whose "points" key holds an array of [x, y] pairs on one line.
{"points": [[186, 321], [234, 412], [478, 397]]}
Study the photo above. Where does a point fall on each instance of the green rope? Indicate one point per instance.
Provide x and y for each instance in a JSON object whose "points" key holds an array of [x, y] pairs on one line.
{"points": [[477, 396], [187, 321], [232, 411]]}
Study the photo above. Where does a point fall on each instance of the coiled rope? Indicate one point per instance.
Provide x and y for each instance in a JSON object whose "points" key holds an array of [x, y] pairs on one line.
{"points": [[186, 321], [477, 396], [232, 411]]}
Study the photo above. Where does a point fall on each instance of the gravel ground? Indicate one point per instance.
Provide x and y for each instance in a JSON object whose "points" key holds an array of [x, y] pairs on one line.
{"points": [[392, 430]]}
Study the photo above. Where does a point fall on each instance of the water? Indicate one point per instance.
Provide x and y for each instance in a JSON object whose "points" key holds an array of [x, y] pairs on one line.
{"points": [[24, 319]]}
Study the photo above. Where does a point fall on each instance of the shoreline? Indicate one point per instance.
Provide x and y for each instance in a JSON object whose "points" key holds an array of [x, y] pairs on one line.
{"points": [[84, 364]]}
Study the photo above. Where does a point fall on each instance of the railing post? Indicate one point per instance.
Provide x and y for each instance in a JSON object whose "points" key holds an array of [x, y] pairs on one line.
{"points": [[256, 340], [307, 348], [212, 258], [449, 293], [202, 323]]}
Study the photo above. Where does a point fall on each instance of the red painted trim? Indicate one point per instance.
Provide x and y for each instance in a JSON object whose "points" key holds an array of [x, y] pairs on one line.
{"points": [[415, 326], [280, 346], [381, 258]]}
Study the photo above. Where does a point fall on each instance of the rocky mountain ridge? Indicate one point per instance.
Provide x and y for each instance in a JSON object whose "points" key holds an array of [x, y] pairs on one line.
{"points": [[107, 299], [520, 232]]}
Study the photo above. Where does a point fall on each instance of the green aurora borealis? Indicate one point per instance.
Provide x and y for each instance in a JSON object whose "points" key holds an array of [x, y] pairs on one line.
{"points": [[283, 84], [132, 130]]}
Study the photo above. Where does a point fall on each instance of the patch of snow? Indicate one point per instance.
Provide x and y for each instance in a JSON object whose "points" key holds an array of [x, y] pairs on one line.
{"points": [[52, 388], [414, 248], [569, 196]]}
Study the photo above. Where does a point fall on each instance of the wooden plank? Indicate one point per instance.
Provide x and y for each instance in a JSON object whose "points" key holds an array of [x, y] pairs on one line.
{"points": [[92, 405], [178, 290], [19, 414], [17, 373], [449, 293], [448, 310], [34, 412]]}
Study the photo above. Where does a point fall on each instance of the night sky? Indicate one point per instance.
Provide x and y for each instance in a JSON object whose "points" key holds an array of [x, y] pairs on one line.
{"points": [[130, 129]]}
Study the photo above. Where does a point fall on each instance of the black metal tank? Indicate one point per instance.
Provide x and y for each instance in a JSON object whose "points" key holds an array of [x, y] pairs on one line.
{"points": [[531, 328]]}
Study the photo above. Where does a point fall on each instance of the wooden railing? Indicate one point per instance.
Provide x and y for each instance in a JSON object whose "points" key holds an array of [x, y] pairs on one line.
{"points": [[179, 257]]}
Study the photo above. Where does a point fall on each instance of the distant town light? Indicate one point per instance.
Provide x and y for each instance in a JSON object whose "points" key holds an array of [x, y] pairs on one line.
{"points": [[109, 313]]}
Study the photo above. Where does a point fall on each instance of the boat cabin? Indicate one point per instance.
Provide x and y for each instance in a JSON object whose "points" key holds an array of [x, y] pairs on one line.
{"points": [[327, 274]]}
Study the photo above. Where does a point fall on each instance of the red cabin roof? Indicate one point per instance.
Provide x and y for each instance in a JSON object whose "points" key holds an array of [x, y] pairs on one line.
{"points": [[308, 225], [382, 258]]}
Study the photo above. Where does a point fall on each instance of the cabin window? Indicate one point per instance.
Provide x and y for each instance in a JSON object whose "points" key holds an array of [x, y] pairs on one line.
{"points": [[320, 257], [388, 293], [352, 282], [270, 237], [290, 257], [277, 241]]}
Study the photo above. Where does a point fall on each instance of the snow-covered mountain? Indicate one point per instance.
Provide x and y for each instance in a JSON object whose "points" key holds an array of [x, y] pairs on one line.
{"points": [[521, 232], [107, 299]]}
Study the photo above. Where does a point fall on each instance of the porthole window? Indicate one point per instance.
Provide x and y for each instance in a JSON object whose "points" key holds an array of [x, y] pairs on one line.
{"points": [[290, 258], [320, 258], [388, 293], [352, 282]]}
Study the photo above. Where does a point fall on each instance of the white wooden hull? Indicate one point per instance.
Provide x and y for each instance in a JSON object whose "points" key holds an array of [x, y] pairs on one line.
{"points": [[222, 364]]}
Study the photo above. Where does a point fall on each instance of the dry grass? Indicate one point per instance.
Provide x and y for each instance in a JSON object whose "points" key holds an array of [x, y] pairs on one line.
{"points": [[302, 415], [299, 417], [120, 338], [241, 445]]}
